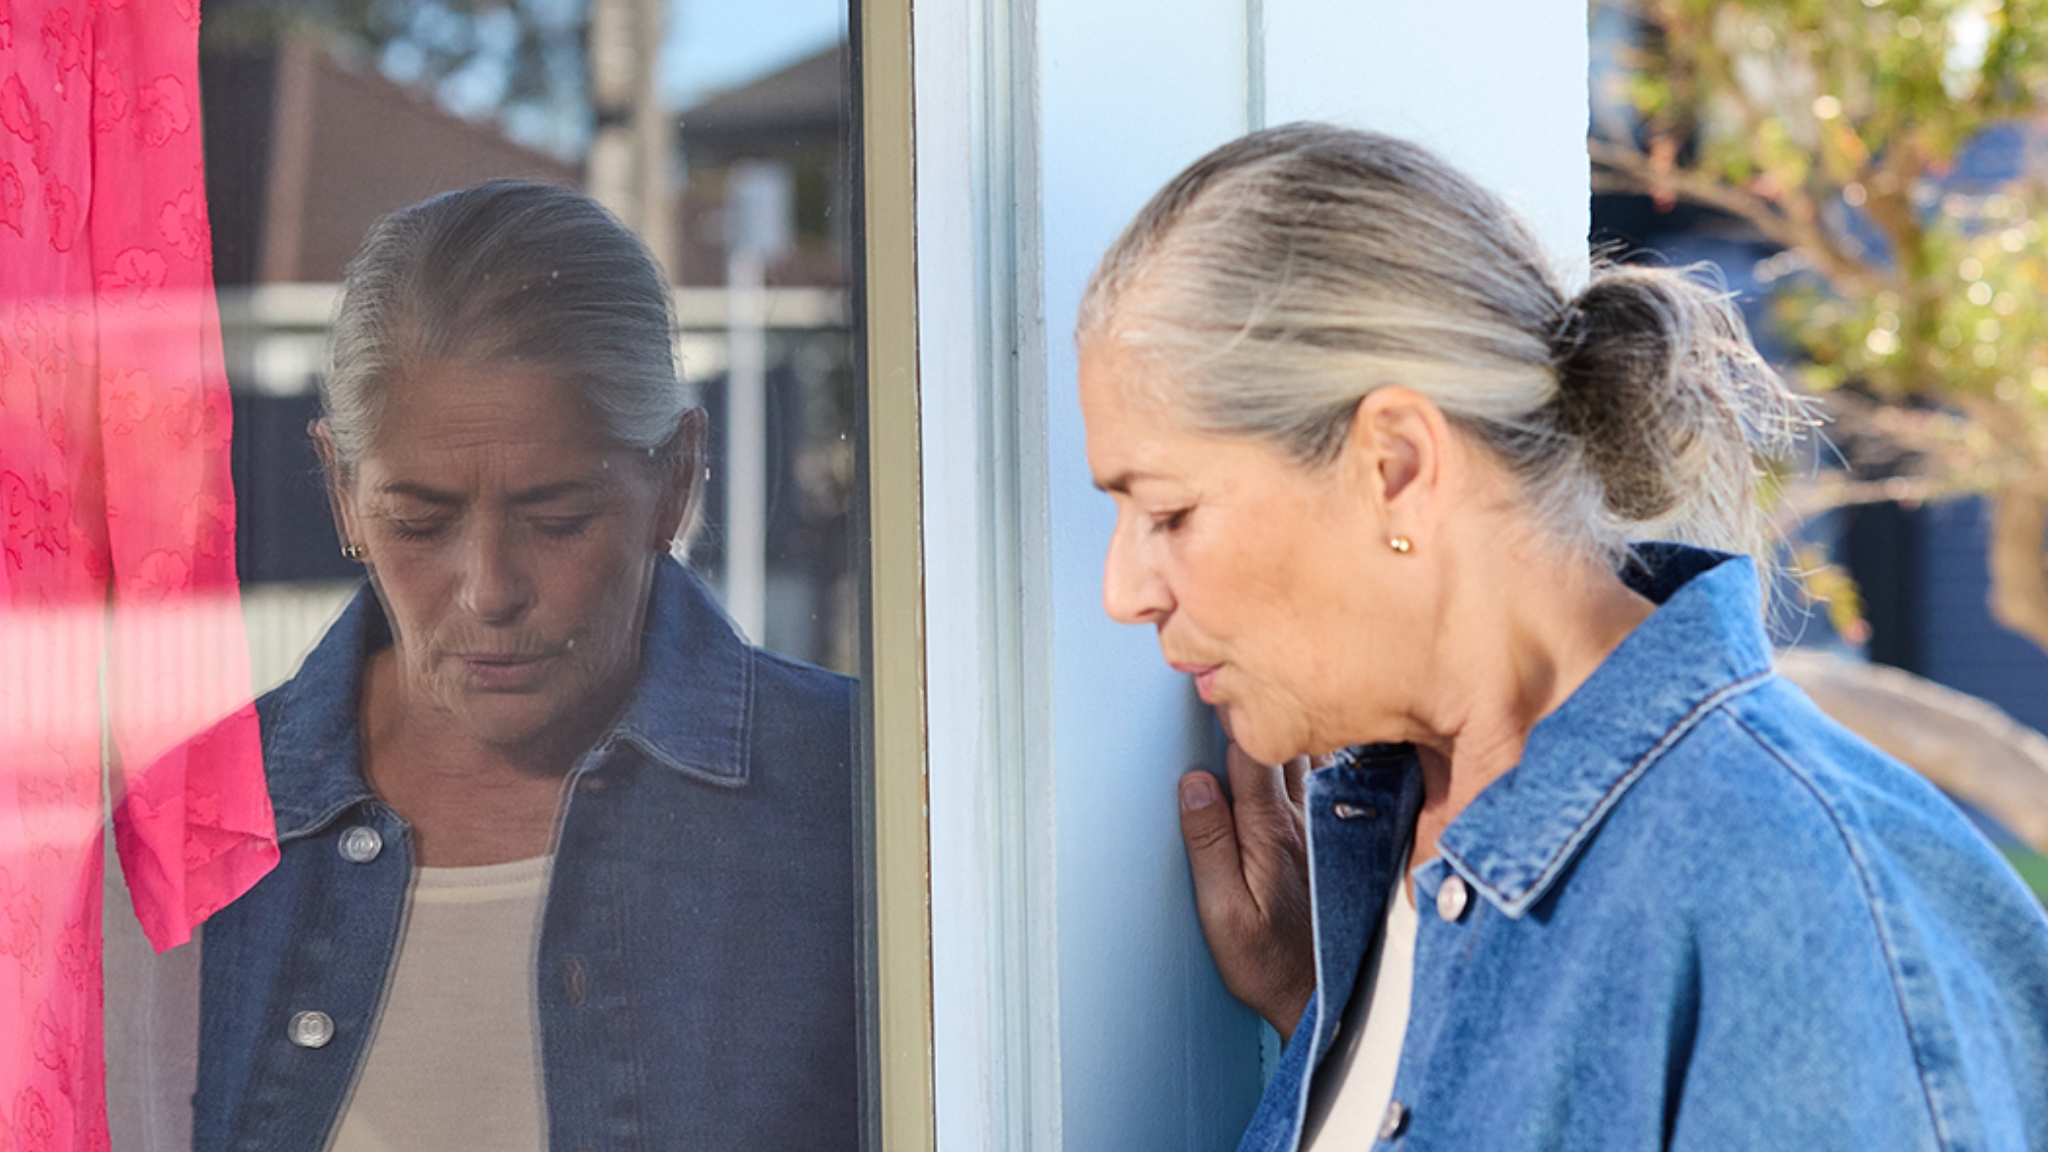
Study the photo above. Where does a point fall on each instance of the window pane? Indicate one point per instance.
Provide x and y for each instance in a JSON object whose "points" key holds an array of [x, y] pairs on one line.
{"points": [[570, 826]]}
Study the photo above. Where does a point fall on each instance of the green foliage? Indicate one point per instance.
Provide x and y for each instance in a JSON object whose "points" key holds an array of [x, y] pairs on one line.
{"points": [[1834, 128], [2032, 867], [1831, 125], [1979, 327]]}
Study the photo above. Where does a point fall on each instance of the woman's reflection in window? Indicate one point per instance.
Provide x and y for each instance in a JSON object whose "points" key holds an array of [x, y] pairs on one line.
{"points": [[566, 863]]}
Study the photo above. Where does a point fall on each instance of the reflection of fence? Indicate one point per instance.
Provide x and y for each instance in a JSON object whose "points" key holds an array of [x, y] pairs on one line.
{"points": [[276, 334], [283, 621], [276, 347]]}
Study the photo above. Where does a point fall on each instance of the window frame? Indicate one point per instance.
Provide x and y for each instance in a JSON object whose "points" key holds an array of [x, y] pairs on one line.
{"points": [[900, 1060]]}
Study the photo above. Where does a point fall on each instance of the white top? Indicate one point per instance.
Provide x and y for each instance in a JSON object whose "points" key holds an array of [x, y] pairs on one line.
{"points": [[1356, 1082], [454, 1065]]}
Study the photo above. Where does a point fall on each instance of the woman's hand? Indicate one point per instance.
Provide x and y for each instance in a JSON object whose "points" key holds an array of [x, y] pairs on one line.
{"points": [[1250, 863]]}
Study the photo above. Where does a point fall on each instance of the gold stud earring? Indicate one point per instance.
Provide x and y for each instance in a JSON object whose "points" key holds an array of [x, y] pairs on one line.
{"points": [[352, 552], [1401, 544]]}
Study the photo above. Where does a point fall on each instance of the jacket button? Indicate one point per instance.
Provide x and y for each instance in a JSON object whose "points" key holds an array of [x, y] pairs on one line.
{"points": [[310, 1029], [361, 844], [1452, 898], [1352, 811], [1395, 1121], [575, 982]]}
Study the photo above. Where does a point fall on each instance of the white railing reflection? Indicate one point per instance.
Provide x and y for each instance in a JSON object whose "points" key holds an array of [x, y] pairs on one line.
{"points": [[276, 334], [283, 621]]}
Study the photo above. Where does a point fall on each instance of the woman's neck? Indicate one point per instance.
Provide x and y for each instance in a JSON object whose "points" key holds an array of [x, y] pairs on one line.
{"points": [[469, 803], [1511, 652]]}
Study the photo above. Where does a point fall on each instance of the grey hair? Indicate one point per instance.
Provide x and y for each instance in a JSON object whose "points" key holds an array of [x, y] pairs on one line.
{"points": [[508, 271], [1286, 275]]}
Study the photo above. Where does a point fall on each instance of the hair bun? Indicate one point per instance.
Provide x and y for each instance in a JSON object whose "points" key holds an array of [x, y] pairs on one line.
{"points": [[1614, 367], [1667, 400]]}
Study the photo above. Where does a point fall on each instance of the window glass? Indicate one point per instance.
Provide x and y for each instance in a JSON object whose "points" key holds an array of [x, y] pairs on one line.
{"points": [[555, 668]]}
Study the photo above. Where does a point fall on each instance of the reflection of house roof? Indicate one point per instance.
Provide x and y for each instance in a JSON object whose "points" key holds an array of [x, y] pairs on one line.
{"points": [[304, 153], [808, 94]]}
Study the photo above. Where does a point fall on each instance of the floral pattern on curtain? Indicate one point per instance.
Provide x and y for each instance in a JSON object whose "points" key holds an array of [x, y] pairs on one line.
{"points": [[119, 625]]}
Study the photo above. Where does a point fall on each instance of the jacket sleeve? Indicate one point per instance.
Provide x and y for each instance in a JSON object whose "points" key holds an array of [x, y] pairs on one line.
{"points": [[1882, 983], [1846, 1001]]}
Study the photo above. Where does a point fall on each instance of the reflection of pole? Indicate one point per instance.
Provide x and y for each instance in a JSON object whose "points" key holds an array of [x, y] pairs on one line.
{"points": [[757, 230], [630, 156], [654, 142], [746, 439]]}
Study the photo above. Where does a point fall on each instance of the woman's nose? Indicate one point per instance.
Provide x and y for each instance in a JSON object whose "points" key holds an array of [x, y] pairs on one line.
{"points": [[495, 584], [1133, 592]]}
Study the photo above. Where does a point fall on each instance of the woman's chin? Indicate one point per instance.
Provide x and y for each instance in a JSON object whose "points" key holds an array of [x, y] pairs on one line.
{"points": [[1264, 747], [1264, 743]]}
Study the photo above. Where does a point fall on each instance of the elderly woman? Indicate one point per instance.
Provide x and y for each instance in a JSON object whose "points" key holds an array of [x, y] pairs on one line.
{"points": [[1584, 872], [566, 863]]}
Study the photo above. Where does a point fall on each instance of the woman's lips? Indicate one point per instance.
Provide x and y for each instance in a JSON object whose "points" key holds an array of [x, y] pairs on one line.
{"points": [[1205, 678], [502, 673]]}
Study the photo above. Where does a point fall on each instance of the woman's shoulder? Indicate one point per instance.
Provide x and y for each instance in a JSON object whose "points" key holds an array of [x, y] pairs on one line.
{"points": [[1796, 847], [802, 713], [1767, 762], [782, 681], [1768, 810], [1776, 744]]}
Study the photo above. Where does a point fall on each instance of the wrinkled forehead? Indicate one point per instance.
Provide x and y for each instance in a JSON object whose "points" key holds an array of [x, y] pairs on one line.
{"points": [[1120, 378], [1128, 408], [1151, 385], [475, 402]]}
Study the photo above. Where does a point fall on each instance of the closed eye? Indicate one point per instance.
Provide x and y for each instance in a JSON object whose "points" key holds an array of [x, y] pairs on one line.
{"points": [[1170, 521], [563, 527], [422, 529]]}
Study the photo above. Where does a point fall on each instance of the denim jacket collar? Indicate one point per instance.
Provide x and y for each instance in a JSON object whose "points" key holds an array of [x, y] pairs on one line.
{"points": [[689, 710], [1704, 643]]}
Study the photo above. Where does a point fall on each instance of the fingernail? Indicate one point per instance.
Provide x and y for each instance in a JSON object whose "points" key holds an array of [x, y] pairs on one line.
{"points": [[1197, 792]]}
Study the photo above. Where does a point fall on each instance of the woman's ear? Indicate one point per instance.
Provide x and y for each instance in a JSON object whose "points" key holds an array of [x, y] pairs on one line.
{"points": [[334, 477], [1399, 453], [682, 494]]}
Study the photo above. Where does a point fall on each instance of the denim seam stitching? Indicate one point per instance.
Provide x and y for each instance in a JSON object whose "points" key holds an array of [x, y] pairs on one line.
{"points": [[630, 1021], [318, 823], [1884, 939], [655, 752], [1514, 907], [743, 720]]}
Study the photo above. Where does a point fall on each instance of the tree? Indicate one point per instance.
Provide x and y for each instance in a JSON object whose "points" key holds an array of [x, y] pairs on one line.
{"points": [[1890, 148]]}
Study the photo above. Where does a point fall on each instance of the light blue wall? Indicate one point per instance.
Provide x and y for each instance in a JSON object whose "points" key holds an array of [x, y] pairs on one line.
{"points": [[1496, 86], [1153, 1053]]}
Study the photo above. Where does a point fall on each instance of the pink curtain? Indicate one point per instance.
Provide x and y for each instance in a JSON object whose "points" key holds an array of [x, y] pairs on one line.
{"points": [[119, 625]]}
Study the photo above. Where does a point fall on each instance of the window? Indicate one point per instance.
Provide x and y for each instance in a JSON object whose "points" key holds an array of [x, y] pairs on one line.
{"points": [[679, 876]]}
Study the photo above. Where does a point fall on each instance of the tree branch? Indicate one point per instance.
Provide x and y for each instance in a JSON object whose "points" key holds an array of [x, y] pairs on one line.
{"points": [[1635, 171]]}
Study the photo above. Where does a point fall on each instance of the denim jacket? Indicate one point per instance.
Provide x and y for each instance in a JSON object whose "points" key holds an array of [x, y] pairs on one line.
{"points": [[697, 969], [1697, 915]]}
